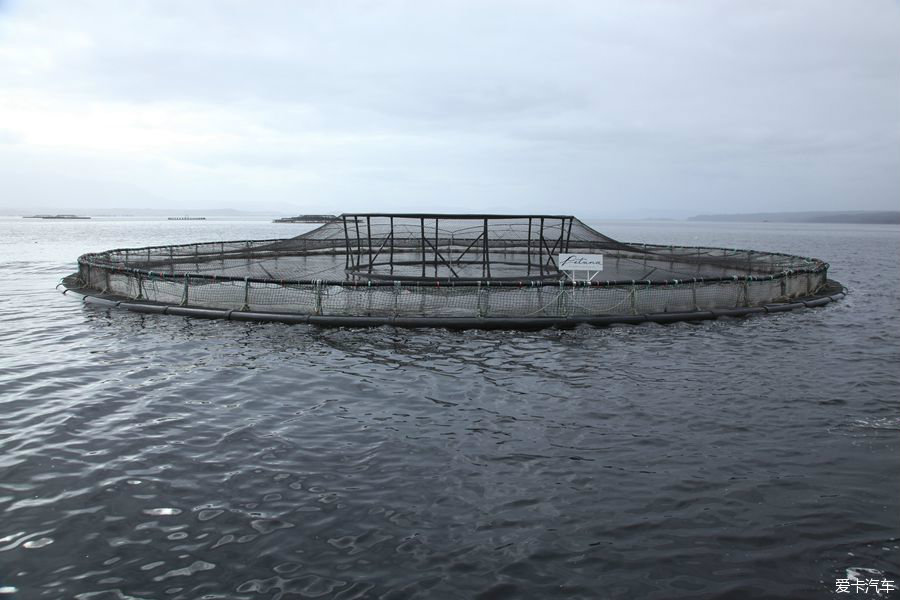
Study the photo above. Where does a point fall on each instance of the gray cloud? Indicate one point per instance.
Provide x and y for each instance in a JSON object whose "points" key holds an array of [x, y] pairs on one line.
{"points": [[598, 108]]}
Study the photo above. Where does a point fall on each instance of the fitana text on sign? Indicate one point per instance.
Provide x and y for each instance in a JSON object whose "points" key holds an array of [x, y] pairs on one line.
{"points": [[580, 262]]}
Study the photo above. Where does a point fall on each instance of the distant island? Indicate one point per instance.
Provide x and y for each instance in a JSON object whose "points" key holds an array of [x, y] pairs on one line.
{"points": [[55, 217], [42, 210], [307, 219], [868, 217]]}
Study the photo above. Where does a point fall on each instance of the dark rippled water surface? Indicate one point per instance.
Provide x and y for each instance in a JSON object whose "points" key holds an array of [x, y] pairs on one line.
{"points": [[161, 457]]}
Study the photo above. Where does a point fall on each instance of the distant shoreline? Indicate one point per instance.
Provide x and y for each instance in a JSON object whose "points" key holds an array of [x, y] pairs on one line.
{"points": [[885, 217], [869, 217], [56, 217]]}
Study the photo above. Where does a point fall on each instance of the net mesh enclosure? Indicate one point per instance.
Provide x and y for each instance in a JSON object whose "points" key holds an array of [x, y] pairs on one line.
{"points": [[449, 270]]}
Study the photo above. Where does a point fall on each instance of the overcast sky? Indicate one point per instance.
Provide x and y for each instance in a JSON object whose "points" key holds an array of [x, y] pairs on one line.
{"points": [[596, 108]]}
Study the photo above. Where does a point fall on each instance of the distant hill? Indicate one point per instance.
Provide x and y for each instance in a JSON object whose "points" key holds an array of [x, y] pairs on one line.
{"points": [[142, 212], [871, 217]]}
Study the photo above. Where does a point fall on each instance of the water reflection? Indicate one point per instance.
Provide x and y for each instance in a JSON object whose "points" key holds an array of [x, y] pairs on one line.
{"points": [[148, 456]]}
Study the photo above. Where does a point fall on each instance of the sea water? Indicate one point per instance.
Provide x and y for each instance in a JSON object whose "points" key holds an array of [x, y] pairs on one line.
{"points": [[146, 456]]}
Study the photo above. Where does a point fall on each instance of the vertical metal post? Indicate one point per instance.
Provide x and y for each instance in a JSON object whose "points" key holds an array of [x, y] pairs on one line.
{"points": [[369, 236], [347, 242], [569, 234], [478, 310], [422, 241], [358, 242], [528, 251], [318, 309], [562, 232], [486, 252], [436, 242], [541, 246], [392, 245]]}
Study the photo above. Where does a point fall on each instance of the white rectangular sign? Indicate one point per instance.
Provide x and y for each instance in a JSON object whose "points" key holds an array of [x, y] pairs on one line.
{"points": [[580, 262]]}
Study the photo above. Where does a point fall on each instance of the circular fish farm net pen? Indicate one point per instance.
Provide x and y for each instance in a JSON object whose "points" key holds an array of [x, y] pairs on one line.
{"points": [[512, 271]]}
